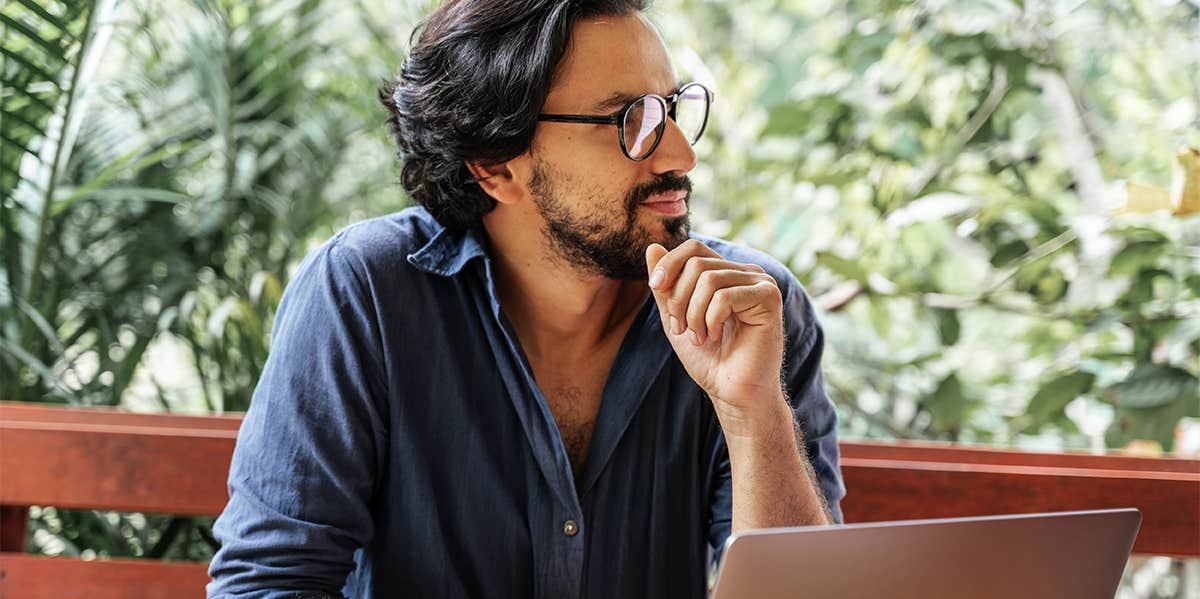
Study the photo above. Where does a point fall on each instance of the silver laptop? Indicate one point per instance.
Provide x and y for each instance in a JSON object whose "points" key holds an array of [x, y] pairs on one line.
{"points": [[1062, 555]]}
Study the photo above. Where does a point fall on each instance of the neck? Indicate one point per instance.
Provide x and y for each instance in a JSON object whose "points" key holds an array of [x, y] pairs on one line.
{"points": [[558, 312]]}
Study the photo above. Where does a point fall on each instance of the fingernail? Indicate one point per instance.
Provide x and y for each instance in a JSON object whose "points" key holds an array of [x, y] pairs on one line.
{"points": [[695, 337], [656, 277]]}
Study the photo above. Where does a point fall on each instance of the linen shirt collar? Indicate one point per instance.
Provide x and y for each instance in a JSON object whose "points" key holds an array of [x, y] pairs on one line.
{"points": [[449, 251]]}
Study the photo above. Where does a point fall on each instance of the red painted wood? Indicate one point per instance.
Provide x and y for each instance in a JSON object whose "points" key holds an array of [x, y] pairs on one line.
{"points": [[124, 468], [43, 413], [880, 490], [945, 452], [38, 577], [13, 521]]}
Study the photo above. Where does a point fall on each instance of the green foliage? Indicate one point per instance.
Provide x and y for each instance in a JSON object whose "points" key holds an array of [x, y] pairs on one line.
{"points": [[90, 534], [170, 208], [1053, 396], [918, 165], [157, 191]]}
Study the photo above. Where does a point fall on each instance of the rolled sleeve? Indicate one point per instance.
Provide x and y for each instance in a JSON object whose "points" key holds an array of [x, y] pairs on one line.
{"points": [[311, 445]]}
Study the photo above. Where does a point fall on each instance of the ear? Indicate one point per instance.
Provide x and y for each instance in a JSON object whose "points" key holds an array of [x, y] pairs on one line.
{"points": [[498, 180]]}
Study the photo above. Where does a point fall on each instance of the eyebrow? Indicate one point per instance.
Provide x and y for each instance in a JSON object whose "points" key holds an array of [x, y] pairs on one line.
{"points": [[619, 99]]}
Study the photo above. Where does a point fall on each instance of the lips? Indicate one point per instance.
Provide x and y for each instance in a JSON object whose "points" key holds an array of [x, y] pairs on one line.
{"points": [[666, 198], [670, 204]]}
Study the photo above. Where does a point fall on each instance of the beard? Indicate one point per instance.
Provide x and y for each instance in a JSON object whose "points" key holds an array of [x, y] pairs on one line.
{"points": [[595, 242]]}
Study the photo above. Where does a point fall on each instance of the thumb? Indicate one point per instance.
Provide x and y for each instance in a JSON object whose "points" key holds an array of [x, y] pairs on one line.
{"points": [[654, 253]]}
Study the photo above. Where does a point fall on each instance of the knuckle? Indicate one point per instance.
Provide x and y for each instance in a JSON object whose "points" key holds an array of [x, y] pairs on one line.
{"points": [[711, 311], [771, 290], [718, 308], [720, 297]]}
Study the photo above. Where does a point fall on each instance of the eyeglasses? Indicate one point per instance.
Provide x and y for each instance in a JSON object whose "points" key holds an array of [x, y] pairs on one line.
{"points": [[641, 123]]}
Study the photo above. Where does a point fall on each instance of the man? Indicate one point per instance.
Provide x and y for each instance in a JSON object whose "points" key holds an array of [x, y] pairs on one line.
{"points": [[535, 384]]}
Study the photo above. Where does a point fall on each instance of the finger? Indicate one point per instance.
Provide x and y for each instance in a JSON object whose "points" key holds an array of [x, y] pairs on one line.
{"points": [[668, 268], [681, 290], [679, 294], [758, 304], [695, 269], [685, 286], [654, 254], [707, 284]]}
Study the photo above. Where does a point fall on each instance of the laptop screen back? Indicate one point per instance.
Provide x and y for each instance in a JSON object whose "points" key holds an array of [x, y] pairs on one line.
{"points": [[1060, 555]]}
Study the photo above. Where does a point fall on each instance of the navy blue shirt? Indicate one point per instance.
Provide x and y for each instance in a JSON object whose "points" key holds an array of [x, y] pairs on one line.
{"points": [[398, 445]]}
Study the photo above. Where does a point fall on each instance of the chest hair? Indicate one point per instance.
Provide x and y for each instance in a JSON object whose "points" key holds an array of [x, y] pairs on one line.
{"points": [[574, 410]]}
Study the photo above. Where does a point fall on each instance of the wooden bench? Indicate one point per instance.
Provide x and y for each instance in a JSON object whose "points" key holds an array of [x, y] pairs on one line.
{"points": [[109, 460]]}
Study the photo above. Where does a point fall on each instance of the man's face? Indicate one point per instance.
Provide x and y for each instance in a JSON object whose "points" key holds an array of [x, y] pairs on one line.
{"points": [[602, 209]]}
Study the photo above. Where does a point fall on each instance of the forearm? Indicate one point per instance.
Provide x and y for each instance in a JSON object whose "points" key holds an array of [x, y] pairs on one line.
{"points": [[773, 482]]}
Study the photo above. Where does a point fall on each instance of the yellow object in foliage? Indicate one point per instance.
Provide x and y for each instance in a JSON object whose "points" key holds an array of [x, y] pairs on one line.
{"points": [[1185, 186], [1140, 199], [1143, 448], [1183, 198]]}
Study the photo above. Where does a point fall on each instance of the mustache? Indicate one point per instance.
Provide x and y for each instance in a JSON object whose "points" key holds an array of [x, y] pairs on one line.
{"points": [[660, 184]]}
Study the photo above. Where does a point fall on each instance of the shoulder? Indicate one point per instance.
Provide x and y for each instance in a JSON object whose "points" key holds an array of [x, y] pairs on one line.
{"points": [[385, 240], [365, 260], [374, 248]]}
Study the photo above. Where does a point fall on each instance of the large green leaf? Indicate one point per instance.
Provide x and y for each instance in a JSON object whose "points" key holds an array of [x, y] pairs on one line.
{"points": [[41, 51], [948, 406], [1158, 424], [1153, 386], [1137, 255], [949, 327], [844, 267], [1054, 395]]}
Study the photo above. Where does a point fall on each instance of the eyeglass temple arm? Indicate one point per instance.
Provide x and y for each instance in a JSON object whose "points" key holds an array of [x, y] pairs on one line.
{"points": [[579, 118]]}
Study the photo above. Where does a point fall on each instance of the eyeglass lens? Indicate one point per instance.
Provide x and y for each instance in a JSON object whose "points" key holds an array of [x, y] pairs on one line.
{"points": [[645, 120], [691, 110]]}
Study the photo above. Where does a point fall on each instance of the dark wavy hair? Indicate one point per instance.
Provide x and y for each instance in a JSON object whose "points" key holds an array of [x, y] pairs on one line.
{"points": [[471, 89]]}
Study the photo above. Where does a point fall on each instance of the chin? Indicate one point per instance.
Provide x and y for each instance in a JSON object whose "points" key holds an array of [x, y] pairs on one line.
{"points": [[675, 231]]}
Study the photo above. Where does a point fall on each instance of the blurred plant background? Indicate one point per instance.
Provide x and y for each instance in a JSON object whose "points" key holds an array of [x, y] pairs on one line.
{"points": [[940, 174]]}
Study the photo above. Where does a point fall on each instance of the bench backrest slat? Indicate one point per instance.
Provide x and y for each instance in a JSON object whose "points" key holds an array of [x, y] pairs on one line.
{"points": [[913, 451], [881, 490], [124, 468], [105, 459], [38, 577], [46, 414]]}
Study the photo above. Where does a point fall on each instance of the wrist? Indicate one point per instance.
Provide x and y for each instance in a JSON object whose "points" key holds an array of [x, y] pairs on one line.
{"points": [[757, 418]]}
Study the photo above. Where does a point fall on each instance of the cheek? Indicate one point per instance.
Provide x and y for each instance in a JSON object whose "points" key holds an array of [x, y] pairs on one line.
{"points": [[593, 171], [599, 175]]}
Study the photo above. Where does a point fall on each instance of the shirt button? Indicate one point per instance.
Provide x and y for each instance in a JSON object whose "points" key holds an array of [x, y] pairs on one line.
{"points": [[570, 528]]}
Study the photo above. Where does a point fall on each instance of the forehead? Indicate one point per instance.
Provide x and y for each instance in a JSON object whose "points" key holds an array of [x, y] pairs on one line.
{"points": [[608, 56]]}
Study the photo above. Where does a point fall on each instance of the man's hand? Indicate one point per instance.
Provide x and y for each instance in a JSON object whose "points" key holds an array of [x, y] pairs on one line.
{"points": [[725, 321]]}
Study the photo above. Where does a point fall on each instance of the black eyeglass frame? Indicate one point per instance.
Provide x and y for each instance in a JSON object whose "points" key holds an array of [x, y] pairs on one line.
{"points": [[618, 118]]}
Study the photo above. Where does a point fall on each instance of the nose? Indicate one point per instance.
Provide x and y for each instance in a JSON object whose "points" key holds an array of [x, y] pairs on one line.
{"points": [[674, 155]]}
